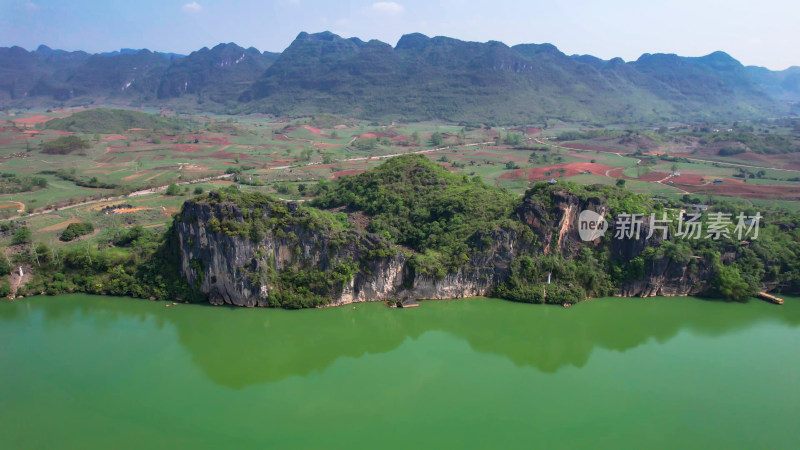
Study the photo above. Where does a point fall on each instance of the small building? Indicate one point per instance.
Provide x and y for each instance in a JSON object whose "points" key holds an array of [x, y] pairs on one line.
{"points": [[552, 181], [699, 207], [717, 181]]}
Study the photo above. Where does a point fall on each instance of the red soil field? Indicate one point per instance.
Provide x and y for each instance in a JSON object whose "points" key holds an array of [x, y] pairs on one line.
{"points": [[792, 166], [337, 175], [652, 176], [115, 137], [616, 173], [281, 137], [229, 155], [317, 131], [748, 191], [190, 148], [32, 120], [157, 158], [688, 179], [220, 141], [324, 145], [134, 176], [571, 169], [63, 132]]}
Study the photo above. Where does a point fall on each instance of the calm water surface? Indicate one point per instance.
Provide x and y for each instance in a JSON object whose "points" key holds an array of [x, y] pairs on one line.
{"points": [[78, 371]]}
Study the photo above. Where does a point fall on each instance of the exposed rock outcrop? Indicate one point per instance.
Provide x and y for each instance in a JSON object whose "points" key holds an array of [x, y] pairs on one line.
{"points": [[227, 267], [245, 269]]}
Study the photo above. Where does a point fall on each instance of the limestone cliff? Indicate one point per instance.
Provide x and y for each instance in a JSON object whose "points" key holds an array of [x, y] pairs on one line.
{"points": [[245, 254], [239, 270], [557, 228]]}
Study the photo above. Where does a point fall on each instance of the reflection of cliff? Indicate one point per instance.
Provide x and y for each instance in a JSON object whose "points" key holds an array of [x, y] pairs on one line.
{"points": [[242, 347], [245, 347]]}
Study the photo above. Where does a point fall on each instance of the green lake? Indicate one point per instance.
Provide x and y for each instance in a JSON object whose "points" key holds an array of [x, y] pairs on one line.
{"points": [[83, 372]]}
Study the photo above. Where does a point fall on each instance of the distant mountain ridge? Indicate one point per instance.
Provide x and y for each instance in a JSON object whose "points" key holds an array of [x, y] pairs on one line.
{"points": [[419, 78]]}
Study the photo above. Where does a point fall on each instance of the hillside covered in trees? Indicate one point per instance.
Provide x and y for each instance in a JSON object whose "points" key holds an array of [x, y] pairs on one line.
{"points": [[111, 121], [419, 78]]}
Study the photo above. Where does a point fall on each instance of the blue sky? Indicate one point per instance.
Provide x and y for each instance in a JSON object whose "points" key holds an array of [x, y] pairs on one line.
{"points": [[764, 33]]}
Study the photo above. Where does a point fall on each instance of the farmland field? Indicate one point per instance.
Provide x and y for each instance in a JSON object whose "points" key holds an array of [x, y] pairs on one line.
{"points": [[287, 158]]}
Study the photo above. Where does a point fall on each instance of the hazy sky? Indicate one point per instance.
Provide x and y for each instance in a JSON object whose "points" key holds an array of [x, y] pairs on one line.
{"points": [[764, 32]]}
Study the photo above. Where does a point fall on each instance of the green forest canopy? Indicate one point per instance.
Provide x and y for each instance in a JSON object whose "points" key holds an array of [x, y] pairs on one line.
{"points": [[110, 121]]}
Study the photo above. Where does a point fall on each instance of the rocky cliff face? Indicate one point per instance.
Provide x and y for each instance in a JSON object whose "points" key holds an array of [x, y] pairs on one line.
{"points": [[227, 267], [667, 278], [557, 228], [245, 269]]}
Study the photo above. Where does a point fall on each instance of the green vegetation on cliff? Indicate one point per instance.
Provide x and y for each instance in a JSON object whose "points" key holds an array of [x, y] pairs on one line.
{"points": [[135, 262], [255, 216], [261, 214], [427, 222], [415, 203]]}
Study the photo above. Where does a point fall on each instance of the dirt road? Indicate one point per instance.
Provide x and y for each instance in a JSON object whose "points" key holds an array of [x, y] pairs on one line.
{"points": [[228, 175]]}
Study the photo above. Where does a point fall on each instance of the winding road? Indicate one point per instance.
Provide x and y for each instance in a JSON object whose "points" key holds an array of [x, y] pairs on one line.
{"points": [[228, 175]]}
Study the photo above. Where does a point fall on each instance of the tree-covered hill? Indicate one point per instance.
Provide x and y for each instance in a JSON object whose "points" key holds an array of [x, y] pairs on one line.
{"points": [[419, 78], [415, 203], [219, 74], [109, 121], [425, 78]]}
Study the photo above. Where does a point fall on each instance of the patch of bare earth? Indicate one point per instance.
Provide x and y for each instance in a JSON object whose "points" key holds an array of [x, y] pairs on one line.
{"points": [[60, 225]]}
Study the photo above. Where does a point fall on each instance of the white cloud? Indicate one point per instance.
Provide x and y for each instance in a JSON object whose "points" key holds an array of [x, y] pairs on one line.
{"points": [[32, 7], [192, 8], [387, 8]]}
